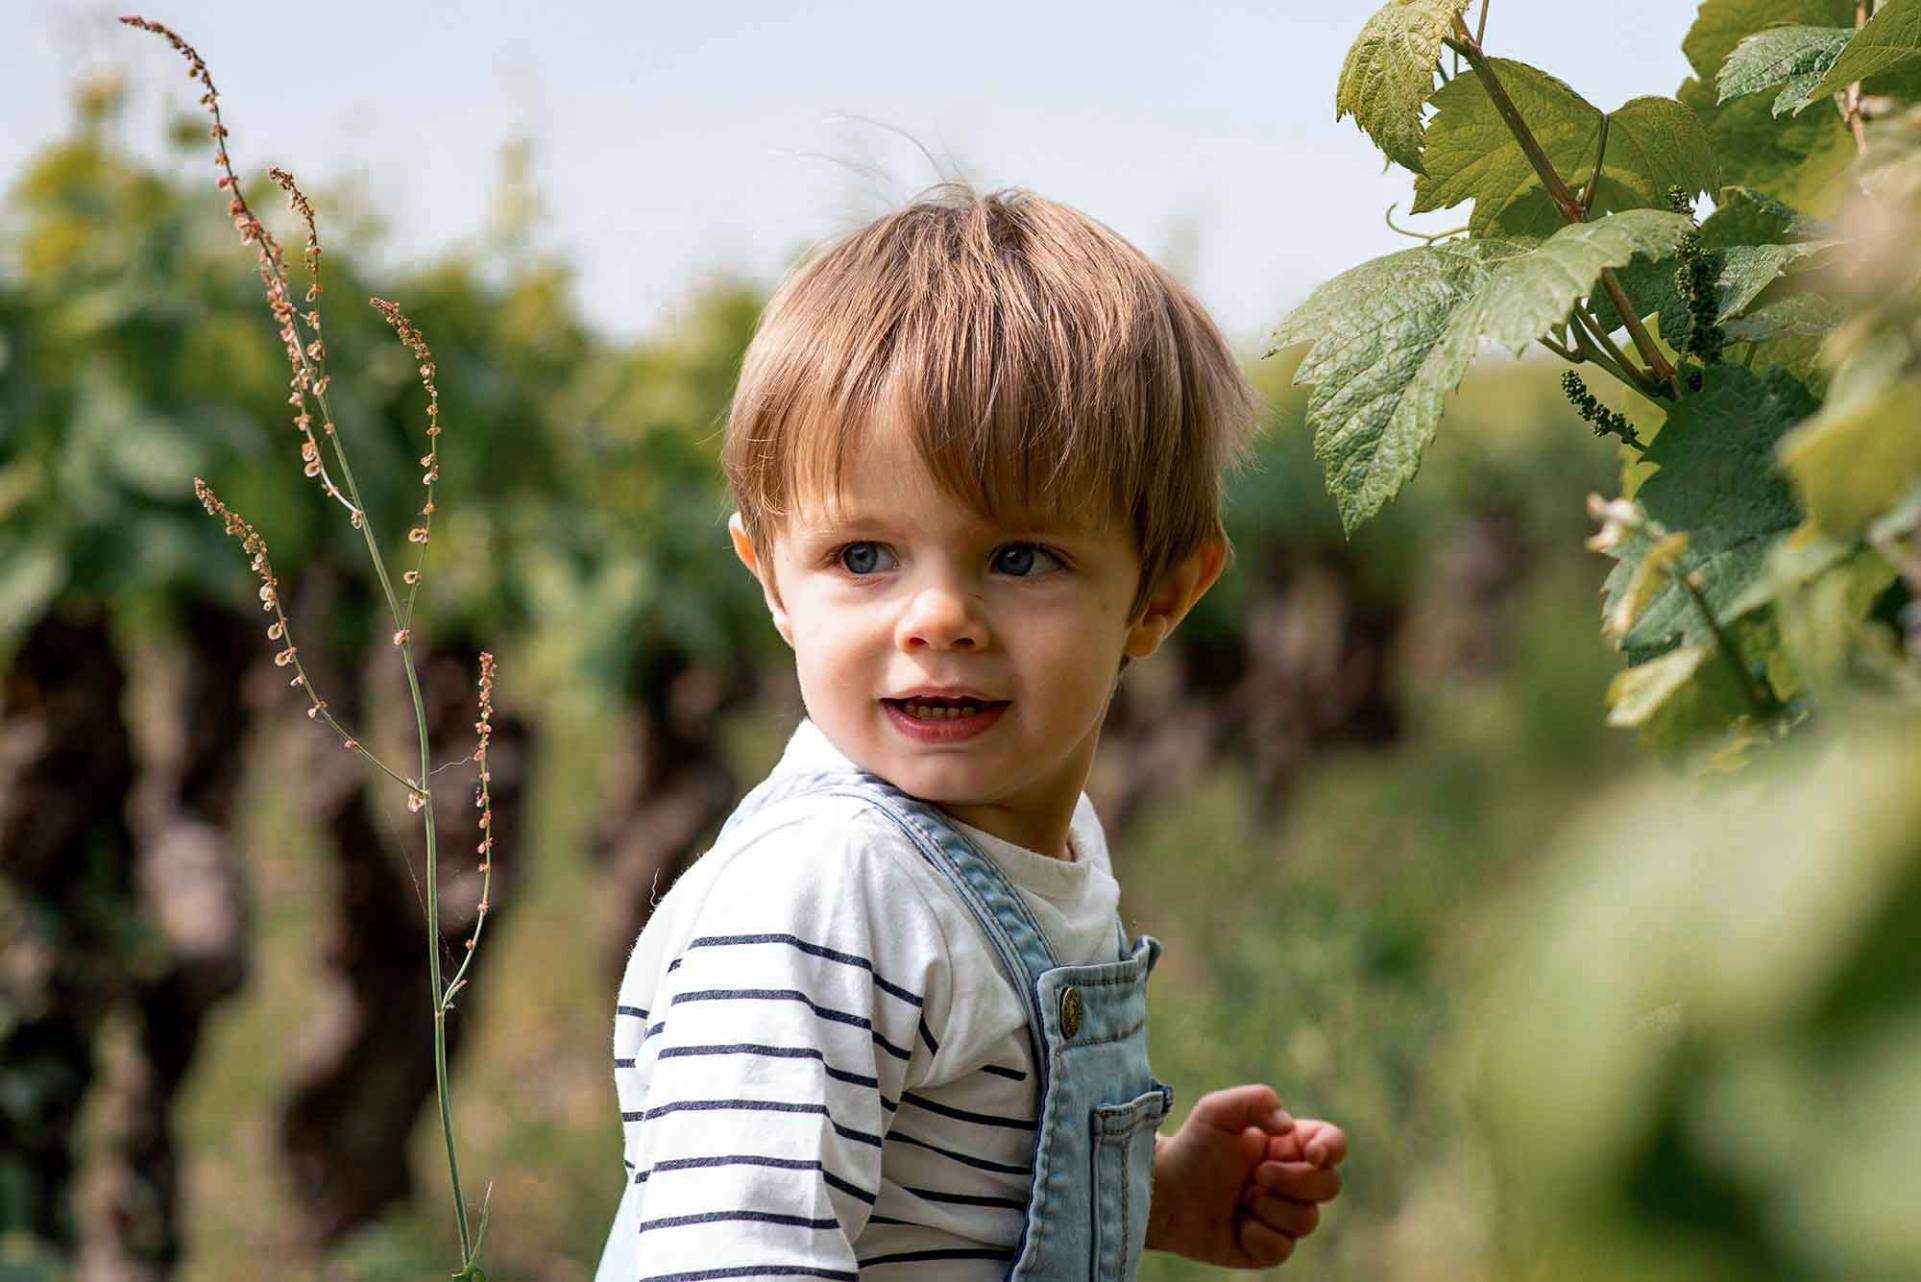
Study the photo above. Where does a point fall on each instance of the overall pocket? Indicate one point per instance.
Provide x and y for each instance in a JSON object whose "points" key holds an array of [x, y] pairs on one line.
{"points": [[1123, 1181]]}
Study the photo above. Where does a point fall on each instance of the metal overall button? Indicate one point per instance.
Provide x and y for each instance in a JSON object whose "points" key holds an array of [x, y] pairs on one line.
{"points": [[1070, 1010]]}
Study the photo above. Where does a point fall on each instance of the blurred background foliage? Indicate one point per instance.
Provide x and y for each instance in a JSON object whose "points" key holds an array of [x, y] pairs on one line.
{"points": [[1582, 1015]]}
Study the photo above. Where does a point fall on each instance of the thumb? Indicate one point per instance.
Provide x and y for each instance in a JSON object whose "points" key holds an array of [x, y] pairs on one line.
{"points": [[1238, 1107]]}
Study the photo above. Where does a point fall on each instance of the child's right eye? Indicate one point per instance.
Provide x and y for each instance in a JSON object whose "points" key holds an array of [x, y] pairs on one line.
{"points": [[857, 558]]}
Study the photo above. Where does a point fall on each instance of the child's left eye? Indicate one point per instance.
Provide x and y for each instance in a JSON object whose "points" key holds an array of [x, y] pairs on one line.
{"points": [[1025, 562]]}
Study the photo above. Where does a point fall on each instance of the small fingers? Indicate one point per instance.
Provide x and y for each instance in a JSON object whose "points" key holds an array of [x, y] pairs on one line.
{"points": [[1284, 1215], [1263, 1245], [1322, 1142], [1302, 1181]]}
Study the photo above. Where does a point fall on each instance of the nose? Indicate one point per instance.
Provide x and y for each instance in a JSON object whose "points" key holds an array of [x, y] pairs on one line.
{"points": [[940, 617]]}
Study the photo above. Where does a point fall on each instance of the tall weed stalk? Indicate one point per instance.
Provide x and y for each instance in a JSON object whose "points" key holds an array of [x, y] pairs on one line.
{"points": [[307, 359]]}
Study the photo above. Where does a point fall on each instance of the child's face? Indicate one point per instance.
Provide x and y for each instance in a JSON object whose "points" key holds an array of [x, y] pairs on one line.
{"points": [[910, 590]]}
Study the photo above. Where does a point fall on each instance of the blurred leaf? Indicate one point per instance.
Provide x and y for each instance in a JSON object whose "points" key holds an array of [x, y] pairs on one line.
{"points": [[1805, 315], [1852, 462], [1651, 574]]}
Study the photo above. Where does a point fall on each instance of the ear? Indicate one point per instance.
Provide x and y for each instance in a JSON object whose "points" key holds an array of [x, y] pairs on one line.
{"points": [[744, 549], [1179, 589]]}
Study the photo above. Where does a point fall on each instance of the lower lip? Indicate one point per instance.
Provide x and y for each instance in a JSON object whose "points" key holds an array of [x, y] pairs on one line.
{"points": [[947, 730]]}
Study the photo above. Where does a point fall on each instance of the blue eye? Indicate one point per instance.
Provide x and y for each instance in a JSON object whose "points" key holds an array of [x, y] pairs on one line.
{"points": [[857, 558], [1020, 565]]}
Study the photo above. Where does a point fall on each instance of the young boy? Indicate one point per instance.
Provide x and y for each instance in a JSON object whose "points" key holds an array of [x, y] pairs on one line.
{"points": [[891, 1024]]}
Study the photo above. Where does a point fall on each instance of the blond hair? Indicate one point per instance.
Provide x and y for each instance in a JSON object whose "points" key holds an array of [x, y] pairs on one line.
{"points": [[1043, 367]]}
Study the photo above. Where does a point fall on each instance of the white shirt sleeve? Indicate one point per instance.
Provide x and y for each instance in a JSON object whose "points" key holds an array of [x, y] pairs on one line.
{"points": [[779, 1042]]}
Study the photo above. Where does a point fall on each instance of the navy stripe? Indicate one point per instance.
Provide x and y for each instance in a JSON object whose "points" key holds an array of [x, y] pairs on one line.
{"points": [[998, 1071], [818, 950], [759, 1217], [792, 995], [755, 1271], [756, 1105], [980, 1119], [754, 1159], [980, 1162], [943, 1253], [927, 1035], [969, 1199], [783, 1052], [629, 1010], [623, 1063], [852, 1189]]}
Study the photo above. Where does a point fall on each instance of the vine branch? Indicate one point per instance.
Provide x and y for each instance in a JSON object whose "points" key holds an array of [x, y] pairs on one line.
{"points": [[1568, 205]]}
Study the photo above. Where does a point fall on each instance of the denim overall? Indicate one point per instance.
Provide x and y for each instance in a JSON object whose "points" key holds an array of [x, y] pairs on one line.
{"points": [[1099, 1105]]}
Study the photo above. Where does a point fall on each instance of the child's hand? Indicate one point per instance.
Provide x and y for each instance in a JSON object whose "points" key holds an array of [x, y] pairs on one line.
{"points": [[1238, 1184]]}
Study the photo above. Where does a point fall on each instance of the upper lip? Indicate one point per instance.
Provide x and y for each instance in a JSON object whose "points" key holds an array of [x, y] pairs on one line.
{"points": [[944, 692]]}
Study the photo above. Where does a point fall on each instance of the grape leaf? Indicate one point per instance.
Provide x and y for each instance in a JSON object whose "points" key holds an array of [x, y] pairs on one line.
{"points": [[1720, 25], [1657, 143], [1471, 155], [1378, 365], [1528, 294], [1745, 270], [1793, 158], [1675, 699], [1852, 463], [1393, 336], [1808, 315], [1717, 481], [1744, 216], [1794, 57], [1652, 144], [1389, 73], [1891, 39], [1659, 559]]}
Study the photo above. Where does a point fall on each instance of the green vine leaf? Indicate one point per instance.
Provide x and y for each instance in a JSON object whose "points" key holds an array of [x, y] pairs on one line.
{"points": [[1383, 356], [1891, 39], [1527, 295], [1745, 271], [1657, 143], [1794, 57], [1682, 696], [1720, 25], [1470, 154], [1393, 336], [1389, 73], [1717, 480], [1802, 315], [1795, 158], [1854, 462]]}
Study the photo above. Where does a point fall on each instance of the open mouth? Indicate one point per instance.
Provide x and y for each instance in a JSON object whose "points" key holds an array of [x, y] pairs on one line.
{"points": [[931, 721], [933, 709]]}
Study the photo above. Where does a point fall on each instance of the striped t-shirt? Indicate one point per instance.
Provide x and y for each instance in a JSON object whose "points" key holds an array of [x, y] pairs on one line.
{"points": [[820, 1064]]}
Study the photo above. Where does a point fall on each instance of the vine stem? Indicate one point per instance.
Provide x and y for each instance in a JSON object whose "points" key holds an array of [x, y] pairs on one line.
{"points": [[1593, 340], [1851, 101], [1564, 200], [1762, 701]]}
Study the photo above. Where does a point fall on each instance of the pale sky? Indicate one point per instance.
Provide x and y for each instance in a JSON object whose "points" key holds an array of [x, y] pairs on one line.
{"points": [[674, 140]]}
